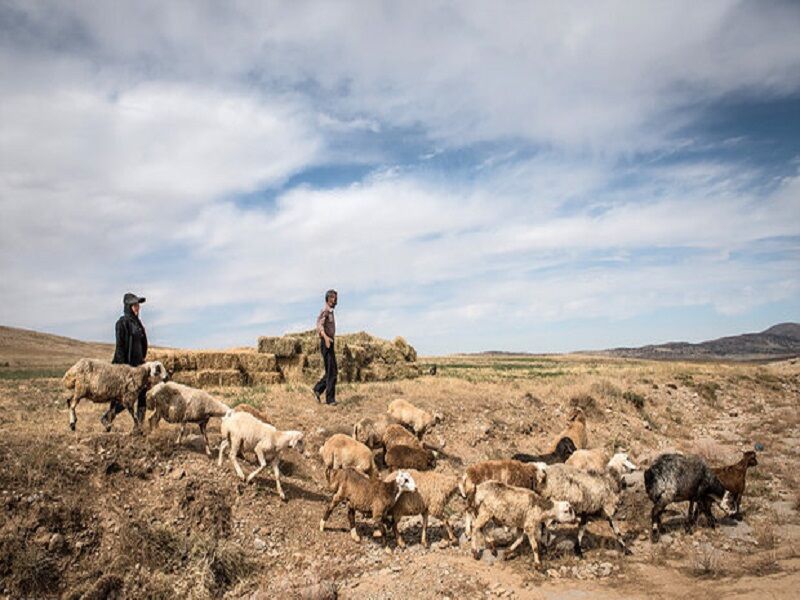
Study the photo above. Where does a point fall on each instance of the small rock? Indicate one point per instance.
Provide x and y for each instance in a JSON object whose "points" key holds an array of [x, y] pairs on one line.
{"points": [[56, 542], [259, 544]]}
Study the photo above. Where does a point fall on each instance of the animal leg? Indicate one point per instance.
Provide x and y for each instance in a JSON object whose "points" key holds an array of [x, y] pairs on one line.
{"points": [[235, 445], [276, 470], [425, 530], [180, 433], [477, 532], [222, 445], [400, 541], [154, 419], [533, 539], [203, 425], [351, 518], [72, 403], [262, 462], [450, 533], [691, 517], [706, 508], [516, 544], [655, 521], [738, 504], [579, 538], [328, 510], [618, 534]]}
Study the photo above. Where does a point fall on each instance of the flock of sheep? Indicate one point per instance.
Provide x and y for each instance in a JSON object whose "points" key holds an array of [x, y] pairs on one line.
{"points": [[528, 493]]}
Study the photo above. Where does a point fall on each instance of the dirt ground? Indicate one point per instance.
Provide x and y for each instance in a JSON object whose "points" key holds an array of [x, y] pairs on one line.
{"points": [[93, 514]]}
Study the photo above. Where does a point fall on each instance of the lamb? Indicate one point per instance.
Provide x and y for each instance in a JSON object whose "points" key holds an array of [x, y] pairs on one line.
{"points": [[434, 491], [418, 420], [409, 457], [367, 495], [513, 472], [589, 494], [563, 451], [241, 430], [370, 431], [525, 511], [103, 382], [176, 403], [340, 451], [591, 461], [575, 430], [677, 478], [733, 477]]}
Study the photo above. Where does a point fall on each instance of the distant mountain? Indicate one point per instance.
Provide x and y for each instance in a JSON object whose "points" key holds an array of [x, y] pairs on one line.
{"points": [[26, 348], [779, 341]]}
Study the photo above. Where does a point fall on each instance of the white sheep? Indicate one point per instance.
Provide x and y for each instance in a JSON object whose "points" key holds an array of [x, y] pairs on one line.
{"points": [[241, 430], [340, 451], [417, 419], [523, 510], [590, 495], [104, 382], [177, 403]]}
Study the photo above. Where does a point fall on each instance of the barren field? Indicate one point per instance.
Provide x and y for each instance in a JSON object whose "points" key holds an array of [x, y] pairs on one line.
{"points": [[92, 514]]}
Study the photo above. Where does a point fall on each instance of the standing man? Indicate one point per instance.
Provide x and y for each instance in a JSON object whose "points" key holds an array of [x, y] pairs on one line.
{"points": [[326, 328], [131, 349]]}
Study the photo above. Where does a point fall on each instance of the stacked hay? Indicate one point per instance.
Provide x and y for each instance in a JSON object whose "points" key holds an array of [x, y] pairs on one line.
{"points": [[219, 369], [361, 357]]}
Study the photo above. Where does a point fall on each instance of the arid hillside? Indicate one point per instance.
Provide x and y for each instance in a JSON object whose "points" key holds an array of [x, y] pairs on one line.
{"points": [[25, 349], [90, 512]]}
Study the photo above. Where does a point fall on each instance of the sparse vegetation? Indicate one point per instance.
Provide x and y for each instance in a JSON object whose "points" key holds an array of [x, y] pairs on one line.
{"points": [[637, 400]]}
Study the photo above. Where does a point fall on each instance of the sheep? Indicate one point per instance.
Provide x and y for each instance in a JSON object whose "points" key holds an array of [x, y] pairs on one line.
{"points": [[176, 403], [418, 420], [370, 431], [434, 491], [677, 478], [409, 457], [589, 494], [103, 382], [523, 510], [340, 451], [513, 472], [367, 495], [733, 477], [575, 430], [241, 430], [563, 451], [591, 461]]}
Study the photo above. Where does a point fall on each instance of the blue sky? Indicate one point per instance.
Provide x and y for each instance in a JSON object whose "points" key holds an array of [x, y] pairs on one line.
{"points": [[536, 176]]}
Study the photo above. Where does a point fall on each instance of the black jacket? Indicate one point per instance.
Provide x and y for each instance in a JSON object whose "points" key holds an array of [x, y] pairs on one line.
{"points": [[131, 340]]}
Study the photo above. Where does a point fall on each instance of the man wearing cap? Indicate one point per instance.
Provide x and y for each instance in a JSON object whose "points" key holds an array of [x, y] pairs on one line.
{"points": [[326, 329], [131, 350]]}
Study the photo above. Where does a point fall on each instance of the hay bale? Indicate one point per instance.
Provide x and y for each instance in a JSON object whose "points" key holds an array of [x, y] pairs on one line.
{"points": [[217, 361], [186, 378], [255, 362], [220, 377], [265, 378], [281, 347], [292, 367], [185, 361], [405, 349]]}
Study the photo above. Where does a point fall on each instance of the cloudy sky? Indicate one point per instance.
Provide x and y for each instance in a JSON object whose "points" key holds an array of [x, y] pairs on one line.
{"points": [[540, 176]]}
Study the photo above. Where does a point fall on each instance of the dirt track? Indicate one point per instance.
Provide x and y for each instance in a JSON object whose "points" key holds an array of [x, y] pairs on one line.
{"points": [[142, 516]]}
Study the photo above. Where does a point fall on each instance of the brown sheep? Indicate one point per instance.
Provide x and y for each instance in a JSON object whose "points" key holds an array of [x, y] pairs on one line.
{"points": [[434, 491], [575, 430], [733, 478], [367, 495], [409, 457]]}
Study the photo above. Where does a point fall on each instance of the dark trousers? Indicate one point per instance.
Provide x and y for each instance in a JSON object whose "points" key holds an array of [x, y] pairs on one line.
{"points": [[328, 382]]}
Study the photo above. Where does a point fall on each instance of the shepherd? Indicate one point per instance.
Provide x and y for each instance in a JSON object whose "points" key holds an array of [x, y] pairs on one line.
{"points": [[131, 349], [326, 328]]}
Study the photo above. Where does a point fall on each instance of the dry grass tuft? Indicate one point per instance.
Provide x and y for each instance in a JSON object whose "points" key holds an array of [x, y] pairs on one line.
{"points": [[707, 561]]}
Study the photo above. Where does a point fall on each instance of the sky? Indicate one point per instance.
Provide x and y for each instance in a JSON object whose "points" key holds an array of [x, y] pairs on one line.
{"points": [[529, 176]]}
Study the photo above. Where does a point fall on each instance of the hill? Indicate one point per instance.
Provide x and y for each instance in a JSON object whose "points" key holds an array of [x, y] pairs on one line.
{"points": [[26, 348], [779, 341]]}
